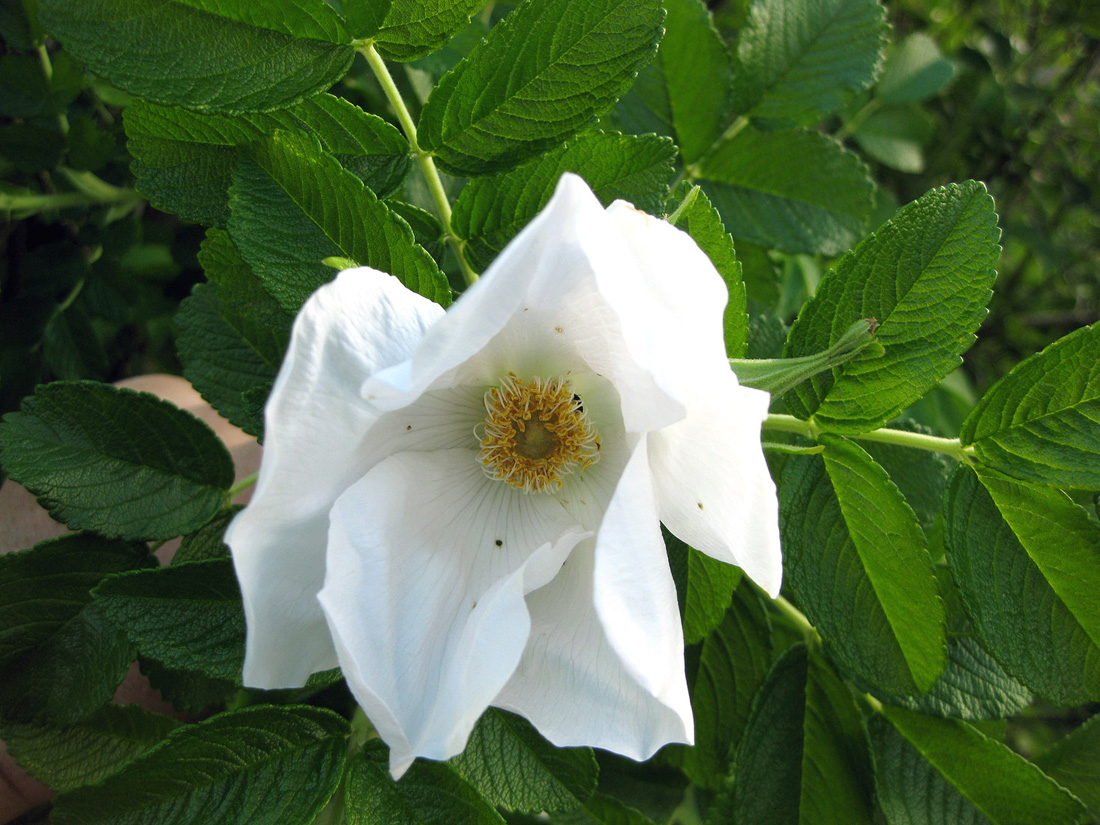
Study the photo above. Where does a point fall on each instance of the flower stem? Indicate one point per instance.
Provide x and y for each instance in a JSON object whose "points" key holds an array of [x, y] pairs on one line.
{"points": [[902, 438], [240, 487], [423, 159]]}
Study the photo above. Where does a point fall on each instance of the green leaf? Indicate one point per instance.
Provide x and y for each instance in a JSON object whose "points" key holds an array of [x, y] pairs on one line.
{"points": [[430, 793], [915, 70], [189, 691], [1041, 422], [415, 28], [930, 770], [122, 463], [803, 756], [1018, 614], [364, 17], [925, 277], [207, 542], [705, 587], [544, 73], [1074, 763], [209, 55], [66, 758], [261, 765], [187, 616], [513, 767], [294, 205], [602, 810], [800, 60], [856, 560], [733, 663], [71, 347], [896, 136], [702, 221], [921, 475], [61, 659], [696, 71], [489, 212], [226, 354], [184, 160], [757, 182]]}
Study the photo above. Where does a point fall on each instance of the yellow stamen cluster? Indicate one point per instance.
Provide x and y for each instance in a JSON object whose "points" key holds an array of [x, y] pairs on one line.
{"points": [[535, 433]]}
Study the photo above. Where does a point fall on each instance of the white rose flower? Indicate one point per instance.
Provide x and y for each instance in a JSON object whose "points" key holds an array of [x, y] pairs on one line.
{"points": [[463, 508]]}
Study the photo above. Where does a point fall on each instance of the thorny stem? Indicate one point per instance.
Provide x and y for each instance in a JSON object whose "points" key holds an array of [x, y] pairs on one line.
{"points": [[423, 159], [902, 438]]}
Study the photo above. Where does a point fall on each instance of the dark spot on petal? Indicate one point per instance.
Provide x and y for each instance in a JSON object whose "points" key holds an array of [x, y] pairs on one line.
{"points": [[498, 543], [699, 504], [408, 427]]}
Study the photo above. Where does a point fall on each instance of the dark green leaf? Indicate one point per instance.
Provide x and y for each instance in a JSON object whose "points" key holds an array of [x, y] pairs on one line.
{"points": [[66, 758], [914, 71], [921, 475], [122, 463], [1020, 617], [544, 73], [925, 277], [800, 60], [211, 55], [758, 183], [188, 691], [1074, 763], [895, 136], [602, 810], [803, 756], [1041, 422], [489, 212], [71, 347], [930, 770], [702, 222], [364, 17], [733, 663], [294, 205], [184, 160], [416, 28], [61, 659], [187, 616], [862, 576], [430, 793], [261, 765], [514, 768], [206, 542], [706, 588]]}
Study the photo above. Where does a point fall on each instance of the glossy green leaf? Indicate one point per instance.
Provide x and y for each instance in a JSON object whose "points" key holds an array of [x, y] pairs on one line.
{"points": [[489, 212], [1041, 422], [294, 205], [416, 28], [65, 758], [1020, 616], [261, 765], [184, 160], [803, 756], [921, 475], [856, 560], [513, 767], [187, 616], [122, 463], [925, 277], [60, 657], [799, 60], [543, 73], [1074, 763], [702, 221], [915, 70], [430, 793], [209, 55], [757, 182], [930, 770]]}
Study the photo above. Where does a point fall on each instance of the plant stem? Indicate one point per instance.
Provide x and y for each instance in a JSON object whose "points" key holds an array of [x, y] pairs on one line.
{"points": [[240, 487], [902, 438], [685, 204], [423, 159]]}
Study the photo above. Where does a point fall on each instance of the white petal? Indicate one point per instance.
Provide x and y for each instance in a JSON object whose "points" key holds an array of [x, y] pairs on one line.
{"points": [[713, 484], [427, 569], [315, 424], [604, 665], [542, 308]]}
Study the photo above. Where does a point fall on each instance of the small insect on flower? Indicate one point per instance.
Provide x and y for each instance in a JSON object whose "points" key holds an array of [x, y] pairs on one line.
{"points": [[463, 508]]}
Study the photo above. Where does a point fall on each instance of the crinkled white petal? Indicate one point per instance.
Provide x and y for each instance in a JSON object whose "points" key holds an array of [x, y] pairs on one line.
{"points": [[713, 483], [427, 568], [552, 302], [604, 665], [316, 421]]}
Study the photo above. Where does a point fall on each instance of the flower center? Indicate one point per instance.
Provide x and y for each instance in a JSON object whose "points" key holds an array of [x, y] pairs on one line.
{"points": [[535, 433]]}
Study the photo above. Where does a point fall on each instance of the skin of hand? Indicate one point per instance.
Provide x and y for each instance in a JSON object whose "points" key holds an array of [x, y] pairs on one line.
{"points": [[25, 524]]}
